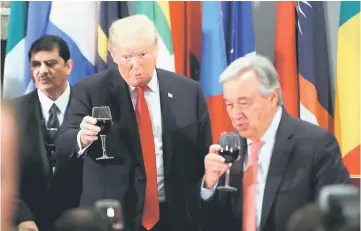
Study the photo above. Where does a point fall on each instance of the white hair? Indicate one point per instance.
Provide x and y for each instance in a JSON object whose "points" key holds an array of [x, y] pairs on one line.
{"points": [[133, 31], [263, 68]]}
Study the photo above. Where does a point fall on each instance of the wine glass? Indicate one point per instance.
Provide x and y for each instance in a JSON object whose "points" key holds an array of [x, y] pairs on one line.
{"points": [[112, 211], [230, 149], [104, 121]]}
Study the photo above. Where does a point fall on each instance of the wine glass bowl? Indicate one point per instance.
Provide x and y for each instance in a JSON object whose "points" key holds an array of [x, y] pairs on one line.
{"points": [[230, 149], [104, 121]]}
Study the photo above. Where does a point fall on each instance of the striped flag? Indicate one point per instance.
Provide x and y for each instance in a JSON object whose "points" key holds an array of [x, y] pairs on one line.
{"points": [[110, 11], [186, 19], [347, 105], [313, 65], [227, 34], [212, 65], [14, 66], [238, 29], [285, 55], [158, 12], [301, 58], [29, 21]]}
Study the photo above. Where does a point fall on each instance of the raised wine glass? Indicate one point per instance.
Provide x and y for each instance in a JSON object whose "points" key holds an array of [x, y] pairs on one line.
{"points": [[230, 149], [104, 121]]}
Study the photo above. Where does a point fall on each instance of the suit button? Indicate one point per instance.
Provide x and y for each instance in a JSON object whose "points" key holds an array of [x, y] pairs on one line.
{"points": [[137, 210], [141, 180]]}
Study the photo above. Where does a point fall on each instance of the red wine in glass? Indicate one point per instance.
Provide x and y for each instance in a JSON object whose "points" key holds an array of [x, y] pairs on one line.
{"points": [[104, 124], [229, 153], [230, 148]]}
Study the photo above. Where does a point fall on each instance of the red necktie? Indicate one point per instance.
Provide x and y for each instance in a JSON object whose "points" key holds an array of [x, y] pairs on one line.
{"points": [[151, 204], [249, 189]]}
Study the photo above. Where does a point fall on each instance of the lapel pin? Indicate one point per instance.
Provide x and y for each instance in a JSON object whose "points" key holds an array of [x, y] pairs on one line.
{"points": [[170, 95]]}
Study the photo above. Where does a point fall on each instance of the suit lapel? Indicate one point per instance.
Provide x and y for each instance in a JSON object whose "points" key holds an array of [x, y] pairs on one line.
{"points": [[168, 118], [37, 125], [281, 155], [123, 109], [67, 106]]}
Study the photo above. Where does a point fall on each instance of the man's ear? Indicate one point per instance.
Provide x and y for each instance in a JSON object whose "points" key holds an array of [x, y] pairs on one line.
{"points": [[69, 66]]}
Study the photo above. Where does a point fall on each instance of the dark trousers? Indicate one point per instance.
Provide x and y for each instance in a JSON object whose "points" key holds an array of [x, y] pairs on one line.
{"points": [[163, 223]]}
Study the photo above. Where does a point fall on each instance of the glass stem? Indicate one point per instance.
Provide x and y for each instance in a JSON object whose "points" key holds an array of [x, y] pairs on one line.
{"points": [[103, 137], [227, 177]]}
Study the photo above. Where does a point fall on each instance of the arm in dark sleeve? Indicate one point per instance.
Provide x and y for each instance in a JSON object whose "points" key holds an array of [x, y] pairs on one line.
{"points": [[205, 131], [212, 214], [206, 214], [22, 212], [80, 106], [328, 165]]}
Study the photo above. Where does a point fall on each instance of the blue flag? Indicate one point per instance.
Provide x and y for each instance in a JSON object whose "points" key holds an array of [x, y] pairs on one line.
{"points": [[238, 29]]}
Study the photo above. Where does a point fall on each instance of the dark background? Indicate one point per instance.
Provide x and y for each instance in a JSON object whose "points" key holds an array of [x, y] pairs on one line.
{"points": [[3, 50]]}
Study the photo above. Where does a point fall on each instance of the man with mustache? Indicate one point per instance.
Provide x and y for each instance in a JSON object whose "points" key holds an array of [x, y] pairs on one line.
{"points": [[47, 187]]}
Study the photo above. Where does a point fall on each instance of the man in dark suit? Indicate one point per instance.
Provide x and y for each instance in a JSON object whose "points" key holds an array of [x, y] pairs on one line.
{"points": [[159, 136], [284, 161], [46, 187]]}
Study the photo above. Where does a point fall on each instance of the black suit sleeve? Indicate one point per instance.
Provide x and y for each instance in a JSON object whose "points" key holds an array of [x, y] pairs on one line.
{"points": [[213, 214], [80, 106], [328, 165], [205, 131], [22, 212], [205, 214]]}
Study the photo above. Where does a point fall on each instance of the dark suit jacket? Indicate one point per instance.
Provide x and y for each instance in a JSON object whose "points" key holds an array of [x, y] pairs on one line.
{"points": [[42, 196], [304, 159], [186, 139]]}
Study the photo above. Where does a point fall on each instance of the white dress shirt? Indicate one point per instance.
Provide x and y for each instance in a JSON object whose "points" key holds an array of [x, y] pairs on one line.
{"points": [[264, 159], [61, 103], [152, 98]]}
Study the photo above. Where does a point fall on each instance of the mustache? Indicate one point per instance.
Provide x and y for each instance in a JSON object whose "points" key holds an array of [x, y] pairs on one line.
{"points": [[45, 76]]}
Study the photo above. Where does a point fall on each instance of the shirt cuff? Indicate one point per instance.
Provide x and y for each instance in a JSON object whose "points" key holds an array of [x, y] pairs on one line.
{"points": [[206, 194], [81, 151]]}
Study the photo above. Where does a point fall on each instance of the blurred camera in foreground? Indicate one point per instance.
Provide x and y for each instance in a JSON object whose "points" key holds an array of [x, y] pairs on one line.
{"points": [[337, 209]]}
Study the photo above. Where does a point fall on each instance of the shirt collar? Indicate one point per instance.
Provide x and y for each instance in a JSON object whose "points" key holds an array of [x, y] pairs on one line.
{"points": [[270, 133], [152, 85], [61, 102]]}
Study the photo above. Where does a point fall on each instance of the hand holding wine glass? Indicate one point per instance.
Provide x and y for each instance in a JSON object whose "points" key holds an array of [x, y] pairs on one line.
{"points": [[230, 148], [104, 122], [89, 131], [215, 166]]}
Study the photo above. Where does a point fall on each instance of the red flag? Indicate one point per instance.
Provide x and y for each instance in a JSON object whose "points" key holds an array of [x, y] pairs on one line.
{"points": [[186, 20], [285, 55]]}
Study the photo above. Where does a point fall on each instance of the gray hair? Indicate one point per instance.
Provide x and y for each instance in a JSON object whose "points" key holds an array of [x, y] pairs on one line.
{"points": [[133, 31], [264, 69]]}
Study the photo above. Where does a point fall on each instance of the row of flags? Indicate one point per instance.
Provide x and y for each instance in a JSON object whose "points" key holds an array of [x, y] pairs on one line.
{"points": [[227, 34], [347, 96], [198, 40], [301, 59]]}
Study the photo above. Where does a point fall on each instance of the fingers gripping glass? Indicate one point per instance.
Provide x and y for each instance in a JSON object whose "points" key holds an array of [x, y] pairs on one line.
{"points": [[104, 121], [230, 149]]}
